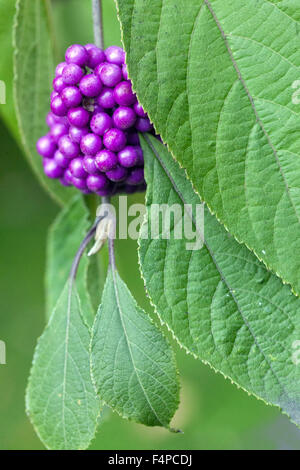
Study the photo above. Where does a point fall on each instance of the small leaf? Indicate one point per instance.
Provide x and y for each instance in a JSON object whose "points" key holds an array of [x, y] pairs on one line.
{"points": [[61, 400], [133, 366], [220, 302], [34, 72], [227, 105], [64, 239]]}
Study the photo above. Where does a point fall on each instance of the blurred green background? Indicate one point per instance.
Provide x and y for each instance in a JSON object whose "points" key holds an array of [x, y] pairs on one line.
{"points": [[213, 413]]}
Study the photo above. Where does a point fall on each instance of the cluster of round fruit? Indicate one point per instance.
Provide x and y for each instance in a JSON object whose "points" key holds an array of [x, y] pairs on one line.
{"points": [[95, 118]]}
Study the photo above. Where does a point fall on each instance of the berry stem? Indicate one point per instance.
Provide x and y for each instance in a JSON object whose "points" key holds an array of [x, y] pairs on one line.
{"points": [[98, 24], [82, 248]]}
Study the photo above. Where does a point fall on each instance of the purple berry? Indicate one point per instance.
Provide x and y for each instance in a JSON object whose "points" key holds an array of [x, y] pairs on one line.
{"points": [[61, 159], [77, 54], [106, 160], [58, 107], [128, 157], [138, 109], [52, 169], [91, 144], [53, 95], [71, 96], [117, 174], [68, 177], [50, 119], [96, 55], [124, 117], [59, 68], [89, 164], [97, 182], [90, 85], [76, 168], [125, 72], [79, 183], [76, 133], [115, 55], [46, 146], [72, 74], [114, 140], [133, 138], [106, 98], [58, 84], [78, 117], [136, 176], [123, 94], [143, 125], [110, 74], [58, 130], [69, 148], [100, 123]]}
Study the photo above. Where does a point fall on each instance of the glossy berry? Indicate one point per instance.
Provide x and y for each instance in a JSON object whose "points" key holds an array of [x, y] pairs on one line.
{"points": [[79, 183], [100, 123], [91, 144], [68, 177], [71, 96], [78, 117], [76, 133], [115, 55], [138, 109], [114, 140], [76, 168], [106, 98], [58, 130], [124, 117], [61, 159], [97, 182], [52, 169], [89, 164], [72, 74], [59, 68], [69, 148], [128, 157], [125, 72], [117, 174], [58, 84], [110, 75], [143, 125], [90, 85], [58, 107], [96, 55], [106, 160], [123, 94], [77, 54], [46, 146], [136, 176]]}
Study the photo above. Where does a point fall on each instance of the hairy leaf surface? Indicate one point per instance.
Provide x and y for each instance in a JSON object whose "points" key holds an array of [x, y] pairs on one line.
{"points": [[34, 72], [61, 400], [221, 80], [132, 364], [220, 302]]}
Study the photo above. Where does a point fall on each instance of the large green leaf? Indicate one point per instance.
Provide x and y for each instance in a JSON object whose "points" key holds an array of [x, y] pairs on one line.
{"points": [[132, 364], [220, 302], [61, 400], [34, 72], [65, 236], [218, 80]]}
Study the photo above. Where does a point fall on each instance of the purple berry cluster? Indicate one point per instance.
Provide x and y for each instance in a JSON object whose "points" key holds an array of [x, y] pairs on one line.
{"points": [[95, 118]]}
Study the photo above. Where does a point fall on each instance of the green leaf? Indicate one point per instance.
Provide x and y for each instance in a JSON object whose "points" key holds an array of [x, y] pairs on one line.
{"points": [[34, 72], [224, 102], [133, 366], [61, 400], [65, 236], [220, 302]]}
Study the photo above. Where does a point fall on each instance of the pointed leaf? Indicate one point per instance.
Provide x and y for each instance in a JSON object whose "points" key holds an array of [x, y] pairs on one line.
{"points": [[132, 364], [220, 302], [61, 400], [226, 102], [34, 72]]}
